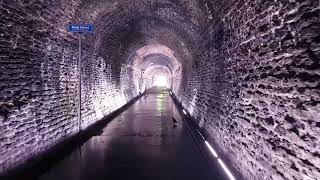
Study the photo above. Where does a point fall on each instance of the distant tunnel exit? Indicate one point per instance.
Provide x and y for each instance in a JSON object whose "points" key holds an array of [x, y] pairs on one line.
{"points": [[161, 81]]}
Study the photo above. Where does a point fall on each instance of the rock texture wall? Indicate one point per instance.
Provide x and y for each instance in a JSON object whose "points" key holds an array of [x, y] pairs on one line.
{"points": [[249, 74], [255, 89], [39, 80], [275, 55]]}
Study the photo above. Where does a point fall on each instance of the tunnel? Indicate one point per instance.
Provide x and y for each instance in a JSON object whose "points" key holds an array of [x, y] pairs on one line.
{"points": [[160, 89]]}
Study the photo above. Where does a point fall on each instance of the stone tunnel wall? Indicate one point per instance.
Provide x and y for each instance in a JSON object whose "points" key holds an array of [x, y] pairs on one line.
{"points": [[250, 77], [256, 89], [39, 80]]}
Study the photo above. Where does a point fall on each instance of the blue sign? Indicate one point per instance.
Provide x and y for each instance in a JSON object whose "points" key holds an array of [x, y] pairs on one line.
{"points": [[81, 28]]}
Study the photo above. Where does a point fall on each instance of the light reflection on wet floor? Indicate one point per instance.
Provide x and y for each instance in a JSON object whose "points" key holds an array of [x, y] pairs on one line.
{"points": [[141, 143]]}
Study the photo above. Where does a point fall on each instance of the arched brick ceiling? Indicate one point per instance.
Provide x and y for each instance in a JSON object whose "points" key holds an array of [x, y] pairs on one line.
{"points": [[123, 27]]}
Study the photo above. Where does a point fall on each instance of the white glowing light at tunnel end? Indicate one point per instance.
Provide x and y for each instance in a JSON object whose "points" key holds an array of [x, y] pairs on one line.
{"points": [[161, 81], [172, 71]]}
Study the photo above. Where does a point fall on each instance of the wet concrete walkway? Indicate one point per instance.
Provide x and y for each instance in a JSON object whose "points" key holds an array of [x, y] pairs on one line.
{"points": [[140, 144]]}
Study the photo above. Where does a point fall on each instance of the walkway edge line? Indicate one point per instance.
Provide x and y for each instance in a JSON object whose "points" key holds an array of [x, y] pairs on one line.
{"points": [[210, 148]]}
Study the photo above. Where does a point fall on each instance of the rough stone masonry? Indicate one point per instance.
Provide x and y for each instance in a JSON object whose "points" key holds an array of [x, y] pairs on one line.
{"points": [[248, 73]]}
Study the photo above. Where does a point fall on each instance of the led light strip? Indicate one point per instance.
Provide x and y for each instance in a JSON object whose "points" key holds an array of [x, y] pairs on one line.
{"points": [[214, 153], [184, 112], [201, 134], [226, 169]]}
